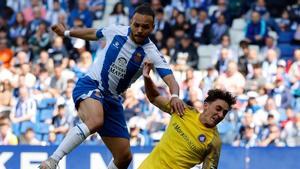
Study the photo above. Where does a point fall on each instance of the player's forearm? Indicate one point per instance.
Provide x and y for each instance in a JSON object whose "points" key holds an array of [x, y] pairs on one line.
{"points": [[84, 33], [172, 84], [150, 89]]}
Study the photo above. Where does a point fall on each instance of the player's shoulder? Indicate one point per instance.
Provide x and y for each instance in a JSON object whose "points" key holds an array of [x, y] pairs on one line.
{"points": [[150, 47], [119, 29]]}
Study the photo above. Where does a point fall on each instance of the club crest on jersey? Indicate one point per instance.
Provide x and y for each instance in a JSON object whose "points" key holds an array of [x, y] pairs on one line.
{"points": [[201, 138], [116, 44], [137, 57]]}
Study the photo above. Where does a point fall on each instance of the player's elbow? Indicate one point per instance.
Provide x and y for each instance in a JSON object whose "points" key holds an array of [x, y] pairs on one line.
{"points": [[151, 98]]}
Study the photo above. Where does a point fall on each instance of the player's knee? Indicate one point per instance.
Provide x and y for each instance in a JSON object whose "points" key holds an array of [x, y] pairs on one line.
{"points": [[94, 123], [125, 158]]}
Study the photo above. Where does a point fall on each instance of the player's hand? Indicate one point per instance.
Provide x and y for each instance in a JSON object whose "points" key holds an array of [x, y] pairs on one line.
{"points": [[59, 29], [177, 106], [148, 65]]}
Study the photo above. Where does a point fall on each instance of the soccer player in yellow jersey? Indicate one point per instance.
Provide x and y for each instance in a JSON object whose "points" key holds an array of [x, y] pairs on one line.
{"points": [[190, 139]]}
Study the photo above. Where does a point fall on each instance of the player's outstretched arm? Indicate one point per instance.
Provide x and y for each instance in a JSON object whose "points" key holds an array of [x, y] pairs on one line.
{"points": [[82, 33], [152, 92], [212, 159]]}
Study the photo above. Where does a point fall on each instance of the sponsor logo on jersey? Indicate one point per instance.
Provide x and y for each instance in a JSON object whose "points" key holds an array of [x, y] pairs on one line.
{"points": [[201, 138], [137, 57], [118, 68]]}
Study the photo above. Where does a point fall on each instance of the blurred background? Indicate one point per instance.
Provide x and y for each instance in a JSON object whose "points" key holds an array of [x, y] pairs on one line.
{"points": [[249, 47]]}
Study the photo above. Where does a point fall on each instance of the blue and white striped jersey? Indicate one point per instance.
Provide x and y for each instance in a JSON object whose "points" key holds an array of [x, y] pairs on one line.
{"points": [[120, 63]]}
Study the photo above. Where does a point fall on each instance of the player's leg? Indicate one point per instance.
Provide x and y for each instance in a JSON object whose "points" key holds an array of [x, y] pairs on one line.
{"points": [[90, 112], [120, 149], [115, 134], [87, 99]]}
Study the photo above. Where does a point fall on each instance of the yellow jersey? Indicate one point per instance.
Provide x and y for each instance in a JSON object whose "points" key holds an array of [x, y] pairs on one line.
{"points": [[185, 143]]}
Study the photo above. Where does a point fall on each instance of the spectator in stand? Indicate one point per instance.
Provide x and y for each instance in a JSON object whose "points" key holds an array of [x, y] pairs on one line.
{"points": [[296, 37], [24, 109], [58, 82], [81, 12], [33, 25], [225, 43], [270, 43], [222, 61], [61, 121], [28, 138], [218, 30], [118, 15], [294, 12], [272, 138], [18, 28], [186, 55], [97, 7], [232, 79], [220, 10], [294, 71], [248, 138], [161, 24], [201, 29], [82, 65], [29, 12], [260, 7], [181, 26], [54, 13], [6, 54], [256, 80], [6, 97], [159, 40], [131, 104], [284, 23], [269, 65], [6, 135], [290, 132], [261, 117], [256, 30]]}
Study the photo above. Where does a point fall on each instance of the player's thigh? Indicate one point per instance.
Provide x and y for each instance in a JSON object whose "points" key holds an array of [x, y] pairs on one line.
{"points": [[91, 113], [119, 147]]}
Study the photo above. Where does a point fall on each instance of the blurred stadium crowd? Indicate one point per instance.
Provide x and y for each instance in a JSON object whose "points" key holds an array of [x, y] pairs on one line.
{"points": [[250, 48]]}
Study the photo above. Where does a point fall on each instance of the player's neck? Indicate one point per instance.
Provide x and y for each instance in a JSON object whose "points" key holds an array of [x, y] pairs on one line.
{"points": [[203, 119]]}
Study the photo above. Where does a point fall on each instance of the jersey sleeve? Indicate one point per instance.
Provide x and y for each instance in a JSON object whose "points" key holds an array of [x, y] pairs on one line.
{"points": [[160, 64], [212, 159], [106, 32]]}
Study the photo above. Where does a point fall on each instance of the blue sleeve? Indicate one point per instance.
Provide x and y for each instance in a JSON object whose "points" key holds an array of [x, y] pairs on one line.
{"points": [[99, 33], [164, 72]]}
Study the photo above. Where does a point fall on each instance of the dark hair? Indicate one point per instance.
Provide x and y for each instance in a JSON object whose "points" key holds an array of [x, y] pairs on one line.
{"points": [[114, 11], [215, 94], [145, 9]]}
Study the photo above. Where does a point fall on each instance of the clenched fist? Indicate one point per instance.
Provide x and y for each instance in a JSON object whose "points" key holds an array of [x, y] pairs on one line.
{"points": [[59, 29]]}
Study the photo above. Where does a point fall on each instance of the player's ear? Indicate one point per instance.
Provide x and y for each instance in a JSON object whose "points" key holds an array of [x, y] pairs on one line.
{"points": [[205, 105]]}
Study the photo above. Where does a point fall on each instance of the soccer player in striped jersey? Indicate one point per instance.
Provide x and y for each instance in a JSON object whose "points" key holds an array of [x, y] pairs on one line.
{"points": [[190, 139], [96, 95]]}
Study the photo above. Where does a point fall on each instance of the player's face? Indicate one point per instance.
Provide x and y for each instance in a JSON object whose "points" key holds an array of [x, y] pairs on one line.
{"points": [[215, 112], [141, 27]]}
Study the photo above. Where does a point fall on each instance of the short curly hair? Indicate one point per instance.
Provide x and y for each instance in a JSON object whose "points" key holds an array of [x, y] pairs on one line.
{"points": [[215, 94]]}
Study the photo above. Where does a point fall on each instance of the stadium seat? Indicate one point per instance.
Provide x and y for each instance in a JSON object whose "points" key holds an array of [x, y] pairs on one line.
{"points": [[45, 114], [26, 125], [204, 52], [46, 103], [236, 36], [286, 51], [285, 37], [254, 47], [239, 24], [42, 131]]}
